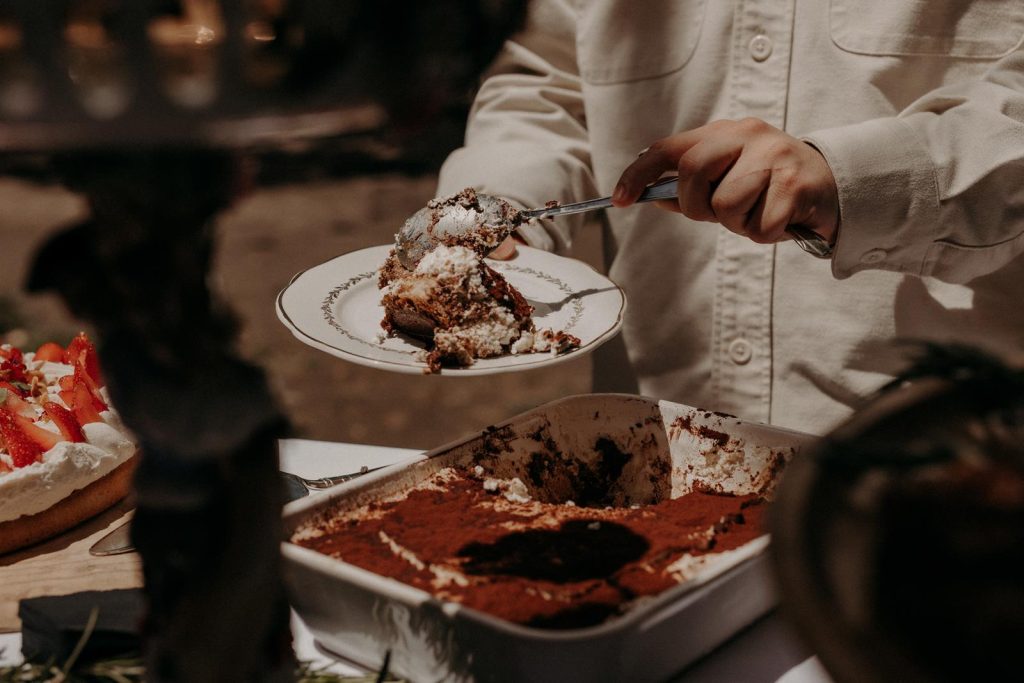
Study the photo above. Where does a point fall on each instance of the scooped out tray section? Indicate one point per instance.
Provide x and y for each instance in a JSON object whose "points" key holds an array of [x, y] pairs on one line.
{"points": [[601, 452]]}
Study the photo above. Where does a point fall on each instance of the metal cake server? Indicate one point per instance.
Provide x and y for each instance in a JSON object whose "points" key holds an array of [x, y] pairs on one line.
{"points": [[119, 540], [116, 542], [496, 216], [496, 219]]}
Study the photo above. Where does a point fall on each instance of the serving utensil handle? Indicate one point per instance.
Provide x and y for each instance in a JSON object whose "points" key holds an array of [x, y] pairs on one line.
{"points": [[665, 188], [321, 483]]}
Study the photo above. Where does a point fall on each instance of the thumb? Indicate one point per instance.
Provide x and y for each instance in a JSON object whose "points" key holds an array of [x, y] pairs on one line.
{"points": [[505, 250], [647, 168], [663, 155]]}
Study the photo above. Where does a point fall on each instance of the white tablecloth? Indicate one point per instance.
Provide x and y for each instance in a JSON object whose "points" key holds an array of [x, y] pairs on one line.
{"points": [[766, 652]]}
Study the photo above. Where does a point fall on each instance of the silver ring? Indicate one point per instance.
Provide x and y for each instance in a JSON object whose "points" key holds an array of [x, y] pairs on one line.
{"points": [[642, 152]]}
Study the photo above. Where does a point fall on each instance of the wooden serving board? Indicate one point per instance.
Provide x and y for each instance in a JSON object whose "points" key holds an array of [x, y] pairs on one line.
{"points": [[63, 565]]}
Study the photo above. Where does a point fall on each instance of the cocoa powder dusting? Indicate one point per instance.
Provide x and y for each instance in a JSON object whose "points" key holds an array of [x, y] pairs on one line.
{"points": [[685, 423], [539, 564]]}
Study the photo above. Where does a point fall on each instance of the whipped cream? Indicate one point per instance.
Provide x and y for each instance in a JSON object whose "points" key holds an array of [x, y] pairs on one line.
{"points": [[514, 490], [445, 261], [66, 467], [489, 328], [495, 331]]}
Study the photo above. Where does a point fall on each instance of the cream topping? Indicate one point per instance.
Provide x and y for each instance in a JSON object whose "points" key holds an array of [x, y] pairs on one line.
{"points": [[67, 466]]}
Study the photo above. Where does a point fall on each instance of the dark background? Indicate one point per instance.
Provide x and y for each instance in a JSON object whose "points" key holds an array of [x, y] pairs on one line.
{"points": [[274, 231]]}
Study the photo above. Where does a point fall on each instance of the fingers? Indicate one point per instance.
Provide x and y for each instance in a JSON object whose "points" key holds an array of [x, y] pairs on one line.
{"points": [[700, 170], [668, 205], [747, 175], [505, 250], [782, 203], [756, 204], [795, 197], [733, 201], [660, 157]]}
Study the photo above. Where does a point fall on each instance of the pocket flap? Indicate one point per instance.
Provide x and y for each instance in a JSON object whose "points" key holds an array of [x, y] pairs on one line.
{"points": [[621, 41], [953, 28]]}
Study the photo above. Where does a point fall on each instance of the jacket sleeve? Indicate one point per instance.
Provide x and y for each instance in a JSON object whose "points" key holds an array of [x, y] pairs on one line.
{"points": [[526, 139], [937, 190]]}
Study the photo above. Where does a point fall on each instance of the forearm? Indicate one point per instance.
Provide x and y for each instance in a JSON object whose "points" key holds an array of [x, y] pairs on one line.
{"points": [[937, 190]]}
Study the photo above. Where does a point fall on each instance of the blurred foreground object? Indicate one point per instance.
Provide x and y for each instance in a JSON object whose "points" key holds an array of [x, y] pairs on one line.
{"points": [[900, 543], [147, 107], [246, 73]]}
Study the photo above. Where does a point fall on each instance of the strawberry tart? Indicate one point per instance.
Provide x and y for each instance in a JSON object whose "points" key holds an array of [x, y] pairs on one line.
{"points": [[64, 454]]}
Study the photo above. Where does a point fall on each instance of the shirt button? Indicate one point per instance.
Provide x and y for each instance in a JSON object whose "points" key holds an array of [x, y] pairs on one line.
{"points": [[873, 256], [740, 351], [760, 47]]}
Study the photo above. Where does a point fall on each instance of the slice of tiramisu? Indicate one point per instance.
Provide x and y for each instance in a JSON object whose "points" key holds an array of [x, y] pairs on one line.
{"points": [[462, 308]]}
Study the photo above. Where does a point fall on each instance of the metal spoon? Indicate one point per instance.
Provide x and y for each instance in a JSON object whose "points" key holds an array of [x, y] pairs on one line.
{"points": [[296, 487], [119, 540], [485, 221]]}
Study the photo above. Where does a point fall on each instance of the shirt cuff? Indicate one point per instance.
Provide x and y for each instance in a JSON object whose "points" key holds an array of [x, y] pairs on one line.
{"points": [[888, 196]]}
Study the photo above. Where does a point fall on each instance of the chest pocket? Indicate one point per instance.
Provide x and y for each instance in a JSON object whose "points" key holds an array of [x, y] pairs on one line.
{"points": [[620, 41], [979, 29]]}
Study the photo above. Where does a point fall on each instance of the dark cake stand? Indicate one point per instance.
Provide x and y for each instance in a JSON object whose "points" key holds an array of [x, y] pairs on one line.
{"points": [[152, 111]]}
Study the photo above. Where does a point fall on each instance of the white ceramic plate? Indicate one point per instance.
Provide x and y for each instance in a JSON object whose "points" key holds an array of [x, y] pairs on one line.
{"points": [[335, 307]]}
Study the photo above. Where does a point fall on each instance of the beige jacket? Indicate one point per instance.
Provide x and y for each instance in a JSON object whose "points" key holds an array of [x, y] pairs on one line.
{"points": [[918, 108]]}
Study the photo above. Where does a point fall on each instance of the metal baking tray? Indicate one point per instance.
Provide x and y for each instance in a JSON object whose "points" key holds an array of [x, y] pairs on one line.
{"points": [[363, 616]]}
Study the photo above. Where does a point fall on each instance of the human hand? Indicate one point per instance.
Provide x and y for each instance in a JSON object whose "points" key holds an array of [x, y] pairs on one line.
{"points": [[749, 176], [507, 249]]}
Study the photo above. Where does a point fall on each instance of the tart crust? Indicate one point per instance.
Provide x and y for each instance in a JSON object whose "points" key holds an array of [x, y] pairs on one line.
{"points": [[81, 505]]}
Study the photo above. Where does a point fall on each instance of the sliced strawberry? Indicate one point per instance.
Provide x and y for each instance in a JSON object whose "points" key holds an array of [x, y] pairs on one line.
{"points": [[66, 422], [50, 351], [43, 438], [12, 367], [24, 451], [82, 377], [75, 346], [9, 388], [67, 389], [80, 396], [81, 352], [15, 400], [82, 405], [14, 389]]}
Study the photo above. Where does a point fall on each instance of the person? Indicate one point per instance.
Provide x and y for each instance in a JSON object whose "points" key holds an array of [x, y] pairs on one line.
{"points": [[893, 128]]}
